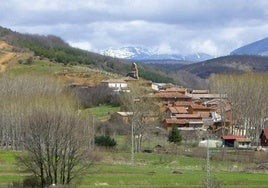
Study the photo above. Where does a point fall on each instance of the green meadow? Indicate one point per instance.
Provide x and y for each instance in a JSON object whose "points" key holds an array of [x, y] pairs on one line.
{"points": [[114, 169]]}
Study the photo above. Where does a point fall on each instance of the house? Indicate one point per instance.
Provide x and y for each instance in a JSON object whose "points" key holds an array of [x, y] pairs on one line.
{"points": [[170, 122], [183, 124], [264, 137], [242, 143], [116, 84], [198, 109], [170, 97], [229, 140], [173, 110], [186, 104], [121, 117], [184, 121]]}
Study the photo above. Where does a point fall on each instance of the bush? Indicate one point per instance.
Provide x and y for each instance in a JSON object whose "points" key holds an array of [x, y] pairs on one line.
{"points": [[174, 136], [105, 140], [29, 61], [94, 96], [20, 61], [31, 181]]}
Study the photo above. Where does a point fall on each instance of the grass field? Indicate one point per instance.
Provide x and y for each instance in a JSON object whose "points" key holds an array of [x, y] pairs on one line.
{"points": [[103, 111], [150, 170], [43, 67]]}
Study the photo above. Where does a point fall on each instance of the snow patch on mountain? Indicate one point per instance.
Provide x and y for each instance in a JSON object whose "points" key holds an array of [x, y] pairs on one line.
{"points": [[128, 52], [139, 53]]}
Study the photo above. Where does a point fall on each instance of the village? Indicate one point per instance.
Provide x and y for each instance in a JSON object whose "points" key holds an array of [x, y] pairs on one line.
{"points": [[195, 112]]}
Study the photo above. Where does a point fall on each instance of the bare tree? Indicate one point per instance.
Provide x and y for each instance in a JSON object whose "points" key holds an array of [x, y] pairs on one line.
{"points": [[248, 96], [146, 113], [18, 95], [58, 145], [94, 96], [38, 115]]}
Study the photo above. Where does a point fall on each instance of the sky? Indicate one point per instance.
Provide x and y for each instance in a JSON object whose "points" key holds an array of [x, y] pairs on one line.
{"points": [[215, 27]]}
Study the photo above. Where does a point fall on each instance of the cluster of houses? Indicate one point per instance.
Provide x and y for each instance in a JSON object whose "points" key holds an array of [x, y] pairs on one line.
{"points": [[192, 110], [195, 109], [188, 110]]}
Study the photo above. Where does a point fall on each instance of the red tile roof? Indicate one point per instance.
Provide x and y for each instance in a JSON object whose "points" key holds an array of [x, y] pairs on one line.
{"points": [[178, 110], [232, 137], [183, 103], [188, 116], [204, 114], [176, 121], [199, 107]]}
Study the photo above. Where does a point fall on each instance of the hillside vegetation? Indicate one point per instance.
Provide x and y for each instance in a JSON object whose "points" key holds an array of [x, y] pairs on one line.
{"points": [[53, 49]]}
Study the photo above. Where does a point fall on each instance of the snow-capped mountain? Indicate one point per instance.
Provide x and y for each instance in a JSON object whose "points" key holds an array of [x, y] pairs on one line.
{"points": [[128, 52], [141, 54]]}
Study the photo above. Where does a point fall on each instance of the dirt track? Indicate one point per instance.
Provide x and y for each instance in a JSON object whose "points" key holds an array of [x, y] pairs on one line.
{"points": [[6, 55], [4, 59]]}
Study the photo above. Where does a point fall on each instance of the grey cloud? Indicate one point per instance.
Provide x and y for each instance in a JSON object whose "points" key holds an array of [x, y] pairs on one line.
{"points": [[179, 24], [193, 14]]}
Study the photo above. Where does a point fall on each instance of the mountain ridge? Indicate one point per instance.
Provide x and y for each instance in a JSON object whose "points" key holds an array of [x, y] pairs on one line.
{"points": [[228, 64], [259, 47], [145, 54]]}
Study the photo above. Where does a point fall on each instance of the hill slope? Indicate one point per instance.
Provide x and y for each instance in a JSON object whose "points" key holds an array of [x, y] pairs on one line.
{"points": [[57, 51], [5, 55], [256, 48], [228, 64]]}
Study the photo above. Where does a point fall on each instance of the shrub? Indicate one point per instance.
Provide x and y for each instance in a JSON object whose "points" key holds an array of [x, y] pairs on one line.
{"points": [[174, 136], [31, 181], [105, 140]]}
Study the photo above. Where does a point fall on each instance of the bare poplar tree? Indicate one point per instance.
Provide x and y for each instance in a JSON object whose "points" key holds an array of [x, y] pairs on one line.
{"points": [[38, 115], [17, 96], [58, 145], [248, 96], [146, 113]]}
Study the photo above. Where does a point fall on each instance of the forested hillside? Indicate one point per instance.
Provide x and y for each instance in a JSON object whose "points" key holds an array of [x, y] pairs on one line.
{"points": [[58, 51]]}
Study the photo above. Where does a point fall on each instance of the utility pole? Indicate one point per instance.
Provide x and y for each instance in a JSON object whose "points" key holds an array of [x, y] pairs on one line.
{"points": [[132, 141], [93, 126], [132, 133], [208, 164]]}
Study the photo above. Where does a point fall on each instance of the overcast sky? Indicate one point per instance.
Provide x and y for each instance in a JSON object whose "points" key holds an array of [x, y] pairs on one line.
{"points": [[215, 27]]}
